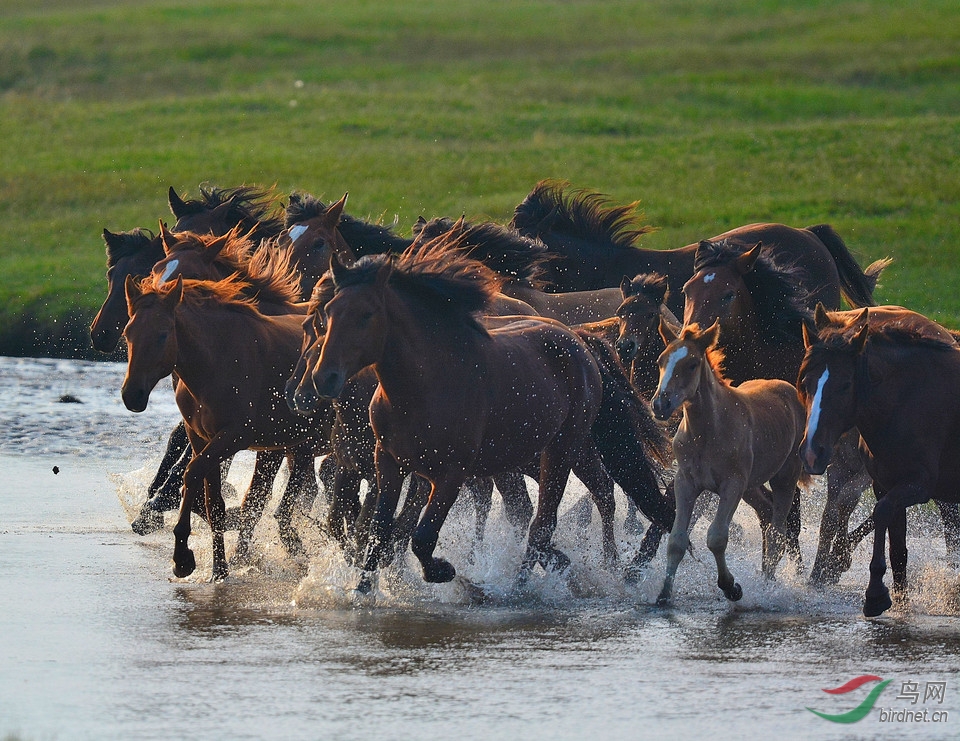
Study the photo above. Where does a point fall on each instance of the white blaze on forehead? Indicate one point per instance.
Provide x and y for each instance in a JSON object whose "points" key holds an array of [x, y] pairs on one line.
{"points": [[168, 271], [709, 277], [815, 405], [675, 357], [296, 232]]}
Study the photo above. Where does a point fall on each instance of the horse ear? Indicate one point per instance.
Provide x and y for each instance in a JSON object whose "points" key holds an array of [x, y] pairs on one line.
{"points": [[131, 289], [810, 334], [383, 275], [861, 325], [111, 239], [215, 247], [626, 287], [820, 318], [748, 259], [667, 333], [337, 270], [710, 336], [177, 206], [168, 238], [331, 216], [176, 293]]}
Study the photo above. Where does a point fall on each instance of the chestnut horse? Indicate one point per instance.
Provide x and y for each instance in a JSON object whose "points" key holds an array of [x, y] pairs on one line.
{"points": [[457, 400], [230, 362], [731, 440], [894, 377]]}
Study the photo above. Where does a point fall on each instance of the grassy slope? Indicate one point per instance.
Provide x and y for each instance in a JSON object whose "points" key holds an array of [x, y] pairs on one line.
{"points": [[712, 116]]}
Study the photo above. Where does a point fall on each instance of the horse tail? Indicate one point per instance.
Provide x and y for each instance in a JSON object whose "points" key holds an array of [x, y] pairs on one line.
{"points": [[629, 440], [856, 284]]}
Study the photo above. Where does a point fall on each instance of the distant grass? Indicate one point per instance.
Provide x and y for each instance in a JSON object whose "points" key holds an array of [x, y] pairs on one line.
{"points": [[713, 114]]}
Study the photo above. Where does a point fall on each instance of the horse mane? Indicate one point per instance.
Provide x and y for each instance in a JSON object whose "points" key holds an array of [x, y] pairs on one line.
{"points": [[267, 270], [893, 333], [364, 237], [503, 250], [437, 274], [129, 243], [251, 207], [714, 354], [581, 213], [651, 285], [322, 292], [777, 289], [230, 292]]}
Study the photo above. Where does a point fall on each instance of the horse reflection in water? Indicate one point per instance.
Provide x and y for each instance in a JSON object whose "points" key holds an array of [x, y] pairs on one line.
{"points": [[457, 400]]}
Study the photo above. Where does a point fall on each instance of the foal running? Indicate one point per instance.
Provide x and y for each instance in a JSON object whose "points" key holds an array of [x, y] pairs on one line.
{"points": [[731, 440]]}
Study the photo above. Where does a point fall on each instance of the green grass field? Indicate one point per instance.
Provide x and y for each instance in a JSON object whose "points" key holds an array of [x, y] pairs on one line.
{"points": [[712, 114]]}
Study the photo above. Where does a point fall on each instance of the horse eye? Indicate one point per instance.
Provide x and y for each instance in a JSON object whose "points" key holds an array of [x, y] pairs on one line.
{"points": [[727, 298]]}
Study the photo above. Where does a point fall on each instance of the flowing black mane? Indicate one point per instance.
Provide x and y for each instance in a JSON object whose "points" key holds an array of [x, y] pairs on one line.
{"points": [[251, 207], [501, 249], [778, 291], [137, 241], [364, 237], [438, 274], [653, 286], [552, 206]]}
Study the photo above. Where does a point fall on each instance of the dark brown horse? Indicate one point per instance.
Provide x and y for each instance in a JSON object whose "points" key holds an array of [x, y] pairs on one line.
{"points": [[896, 380], [455, 399], [761, 297], [231, 363], [595, 244], [257, 211]]}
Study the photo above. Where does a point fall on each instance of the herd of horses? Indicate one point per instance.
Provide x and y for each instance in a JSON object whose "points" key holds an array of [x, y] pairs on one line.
{"points": [[473, 355]]}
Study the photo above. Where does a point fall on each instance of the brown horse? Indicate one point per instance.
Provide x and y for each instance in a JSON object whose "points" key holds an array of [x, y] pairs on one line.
{"points": [[268, 278], [257, 211], [455, 399], [895, 378], [231, 362], [731, 440], [761, 297], [595, 244]]}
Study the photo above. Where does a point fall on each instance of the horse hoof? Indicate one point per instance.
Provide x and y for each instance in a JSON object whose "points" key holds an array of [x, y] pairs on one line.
{"points": [[557, 561], [734, 594], [664, 600], [220, 573], [439, 571], [366, 584], [183, 569], [874, 606]]}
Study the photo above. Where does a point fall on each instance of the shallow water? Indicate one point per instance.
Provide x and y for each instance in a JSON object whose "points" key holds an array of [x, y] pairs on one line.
{"points": [[98, 640]]}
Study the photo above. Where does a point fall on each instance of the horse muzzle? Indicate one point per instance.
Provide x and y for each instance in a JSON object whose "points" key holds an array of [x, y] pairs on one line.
{"points": [[626, 349], [135, 398], [330, 384], [814, 457], [663, 407]]}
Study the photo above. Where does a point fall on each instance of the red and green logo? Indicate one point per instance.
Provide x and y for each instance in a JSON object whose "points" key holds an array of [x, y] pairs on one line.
{"points": [[859, 712]]}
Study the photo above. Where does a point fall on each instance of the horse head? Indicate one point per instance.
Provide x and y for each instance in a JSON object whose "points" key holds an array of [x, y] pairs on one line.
{"points": [[151, 339], [718, 291], [131, 253], [682, 364], [639, 314], [827, 383]]}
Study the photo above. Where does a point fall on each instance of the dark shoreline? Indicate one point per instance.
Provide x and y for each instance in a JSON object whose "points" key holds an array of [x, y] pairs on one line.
{"points": [[67, 337]]}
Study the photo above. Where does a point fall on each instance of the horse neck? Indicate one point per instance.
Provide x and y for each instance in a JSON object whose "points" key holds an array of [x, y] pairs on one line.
{"points": [[421, 354], [644, 373], [707, 407], [202, 355]]}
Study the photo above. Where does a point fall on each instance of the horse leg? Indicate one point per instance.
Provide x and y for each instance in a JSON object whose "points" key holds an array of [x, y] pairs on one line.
{"points": [[516, 500], [686, 493], [897, 535], [301, 487], [344, 496], [649, 544], [216, 516], [759, 499], [418, 492], [202, 467], [785, 497], [389, 486], [555, 466], [718, 535], [481, 490], [950, 514], [589, 469], [423, 542], [327, 475], [251, 509], [877, 598]]}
